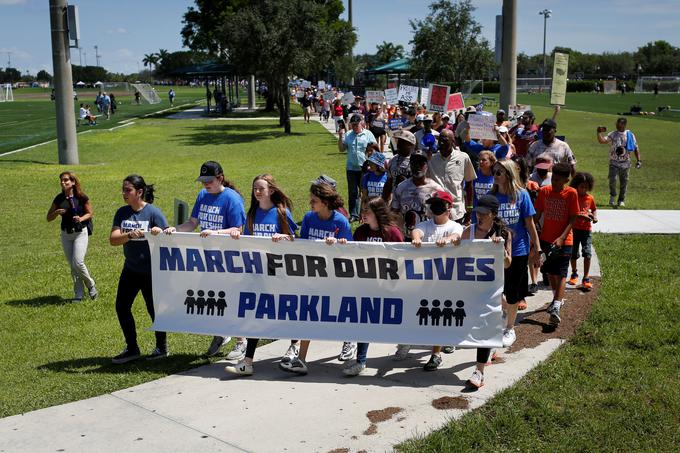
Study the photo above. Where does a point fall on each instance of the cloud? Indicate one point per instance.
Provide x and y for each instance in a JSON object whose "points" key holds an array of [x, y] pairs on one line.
{"points": [[16, 54], [12, 2], [119, 30], [123, 53]]}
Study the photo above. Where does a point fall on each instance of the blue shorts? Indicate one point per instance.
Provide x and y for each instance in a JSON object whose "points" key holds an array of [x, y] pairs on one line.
{"points": [[583, 238]]}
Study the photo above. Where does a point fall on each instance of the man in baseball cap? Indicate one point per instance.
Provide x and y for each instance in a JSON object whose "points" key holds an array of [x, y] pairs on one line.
{"points": [[209, 170]]}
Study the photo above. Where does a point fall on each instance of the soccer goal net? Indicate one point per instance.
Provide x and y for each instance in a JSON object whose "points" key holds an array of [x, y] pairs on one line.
{"points": [[148, 92], [6, 94], [649, 84], [533, 84], [115, 87], [469, 87]]}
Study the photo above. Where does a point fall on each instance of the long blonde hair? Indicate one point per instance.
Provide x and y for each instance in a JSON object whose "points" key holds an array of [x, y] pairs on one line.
{"points": [[512, 182]]}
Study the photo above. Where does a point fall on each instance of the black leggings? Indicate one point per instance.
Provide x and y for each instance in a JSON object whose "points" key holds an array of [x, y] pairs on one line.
{"points": [[251, 345], [483, 355], [129, 284]]}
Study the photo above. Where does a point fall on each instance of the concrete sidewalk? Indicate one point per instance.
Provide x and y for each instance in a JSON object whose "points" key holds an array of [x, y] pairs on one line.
{"points": [[272, 411], [637, 221]]}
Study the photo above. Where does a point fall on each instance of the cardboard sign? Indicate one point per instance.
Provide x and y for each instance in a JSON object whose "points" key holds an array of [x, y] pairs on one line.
{"points": [[391, 96], [394, 124], [456, 102], [424, 94], [515, 111], [482, 126], [408, 94], [329, 96], [306, 84], [558, 92], [375, 96], [348, 98], [438, 99], [321, 85]]}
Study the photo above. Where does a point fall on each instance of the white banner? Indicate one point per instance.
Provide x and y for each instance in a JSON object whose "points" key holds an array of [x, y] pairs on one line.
{"points": [[408, 94], [391, 96], [377, 96], [348, 98], [373, 292], [482, 126]]}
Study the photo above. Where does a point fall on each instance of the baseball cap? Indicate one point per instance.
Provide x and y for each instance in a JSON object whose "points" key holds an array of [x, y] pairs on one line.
{"points": [[500, 111], [487, 203], [470, 109], [544, 162], [418, 158], [427, 118], [529, 114], [356, 118], [325, 179], [377, 159], [403, 134], [548, 123], [440, 195], [209, 170], [446, 115], [503, 129], [420, 117]]}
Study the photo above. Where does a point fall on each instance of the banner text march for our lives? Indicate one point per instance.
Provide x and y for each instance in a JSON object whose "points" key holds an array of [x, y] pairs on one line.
{"points": [[373, 292]]}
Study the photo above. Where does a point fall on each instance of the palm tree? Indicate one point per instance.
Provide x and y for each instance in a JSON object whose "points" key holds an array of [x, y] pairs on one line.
{"points": [[162, 54], [150, 60], [387, 52]]}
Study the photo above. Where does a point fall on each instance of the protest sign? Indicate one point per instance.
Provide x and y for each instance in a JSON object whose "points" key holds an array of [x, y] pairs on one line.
{"points": [[438, 98], [329, 96], [482, 126], [408, 94], [391, 96], [372, 292], [321, 85], [375, 96], [348, 98], [558, 92], [455, 103], [609, 86], [424, 94], [394, 124], [306, 84]]}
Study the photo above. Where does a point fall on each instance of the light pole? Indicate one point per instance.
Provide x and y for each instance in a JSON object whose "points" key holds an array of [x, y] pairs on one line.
{"points": [[546, 13]]}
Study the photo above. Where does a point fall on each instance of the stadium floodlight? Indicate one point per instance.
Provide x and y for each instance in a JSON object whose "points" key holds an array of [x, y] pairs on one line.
{"points": [[546, 13]]}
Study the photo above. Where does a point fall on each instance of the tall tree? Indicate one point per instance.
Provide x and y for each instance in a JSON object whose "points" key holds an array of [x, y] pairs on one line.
{"points": [[150, 60], [281, 38], [162, 54], [43, 76], [448, 45], [387, 52], [658, 58]]}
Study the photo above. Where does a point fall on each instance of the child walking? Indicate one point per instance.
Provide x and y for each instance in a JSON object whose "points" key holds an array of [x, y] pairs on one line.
{"points": [[583, 228]]}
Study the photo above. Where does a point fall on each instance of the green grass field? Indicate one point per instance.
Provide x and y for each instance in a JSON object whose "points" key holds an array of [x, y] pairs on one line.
{"points": [[613, 387]]}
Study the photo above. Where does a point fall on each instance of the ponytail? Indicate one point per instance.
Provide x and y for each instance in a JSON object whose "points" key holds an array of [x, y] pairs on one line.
{"points": [[139, 184]]}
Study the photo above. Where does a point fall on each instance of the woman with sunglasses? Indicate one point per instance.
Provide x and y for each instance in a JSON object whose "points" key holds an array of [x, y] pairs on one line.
{"points": [[75, 210], [516, 209]]}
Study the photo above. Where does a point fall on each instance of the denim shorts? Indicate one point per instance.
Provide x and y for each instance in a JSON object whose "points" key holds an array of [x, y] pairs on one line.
{"points": [[584, 238]]}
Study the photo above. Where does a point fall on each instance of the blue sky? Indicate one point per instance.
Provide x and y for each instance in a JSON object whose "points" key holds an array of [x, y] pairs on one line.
{"points": [[125, 30]]}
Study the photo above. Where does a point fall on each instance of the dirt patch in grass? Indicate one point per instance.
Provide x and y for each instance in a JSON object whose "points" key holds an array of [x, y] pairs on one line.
{"points": [[534, 329], [339, 450], [450, 402]]}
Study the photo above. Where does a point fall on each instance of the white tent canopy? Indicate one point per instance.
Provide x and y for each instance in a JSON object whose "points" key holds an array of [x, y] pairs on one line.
{"points": [[80, 84], [98, 84]]}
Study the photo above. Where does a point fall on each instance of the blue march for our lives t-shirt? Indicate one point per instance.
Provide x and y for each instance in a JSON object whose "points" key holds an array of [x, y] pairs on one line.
{"points": [[336, 226], [374, 183], [482, 185], [136, 251], [219, 211], [266, 223], [514, 215]]}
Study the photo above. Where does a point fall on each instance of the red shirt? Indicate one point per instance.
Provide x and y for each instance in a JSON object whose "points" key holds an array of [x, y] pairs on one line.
{"points": [[365, 234], [586, 205], [557, 209]]}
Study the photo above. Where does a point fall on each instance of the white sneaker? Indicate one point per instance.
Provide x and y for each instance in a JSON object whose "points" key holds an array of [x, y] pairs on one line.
{"points": [[622, 204], [612, 201], [354, 369], [402, 351], [291, 353], [242, 368], [477, 379], [509, 337], [238, 352], [217, 344], [297, 365], [348, 351]]}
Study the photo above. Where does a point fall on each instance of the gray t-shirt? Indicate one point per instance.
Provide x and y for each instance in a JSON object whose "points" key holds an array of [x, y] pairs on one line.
{"points": [[136, 251], [409, 200], [450, 173]]}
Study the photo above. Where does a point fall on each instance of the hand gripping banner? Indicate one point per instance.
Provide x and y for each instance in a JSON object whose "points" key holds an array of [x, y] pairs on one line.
{"points": [[371, 292]]}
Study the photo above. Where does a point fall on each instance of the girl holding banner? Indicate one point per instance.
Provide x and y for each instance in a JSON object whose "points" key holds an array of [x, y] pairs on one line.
{"points": [[129, 225], [269, 215], [218, 210], [322, 222]]}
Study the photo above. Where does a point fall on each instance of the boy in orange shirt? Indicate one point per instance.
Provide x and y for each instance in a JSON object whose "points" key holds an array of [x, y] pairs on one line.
{"points": [[558, 204], [583, 227]]}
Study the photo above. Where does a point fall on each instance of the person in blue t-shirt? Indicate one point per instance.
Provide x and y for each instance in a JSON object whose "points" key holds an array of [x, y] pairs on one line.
{"points": [[516, 209], [484, 181], [324, 222], [373, 181], [129, 225], [500, 147], [218, 210], [269, 216]]}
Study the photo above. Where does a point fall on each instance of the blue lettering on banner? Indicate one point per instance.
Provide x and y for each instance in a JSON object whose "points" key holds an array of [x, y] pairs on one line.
{"points": [[315, 308], [443, 269]]}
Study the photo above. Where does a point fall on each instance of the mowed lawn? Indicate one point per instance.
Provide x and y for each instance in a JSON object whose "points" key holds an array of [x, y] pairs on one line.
{"points": [[614, 387], [31, 118]]}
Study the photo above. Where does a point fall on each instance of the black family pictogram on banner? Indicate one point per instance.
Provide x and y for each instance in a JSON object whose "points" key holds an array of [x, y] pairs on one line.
{"points": [[210, 304], [446, 315]]}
